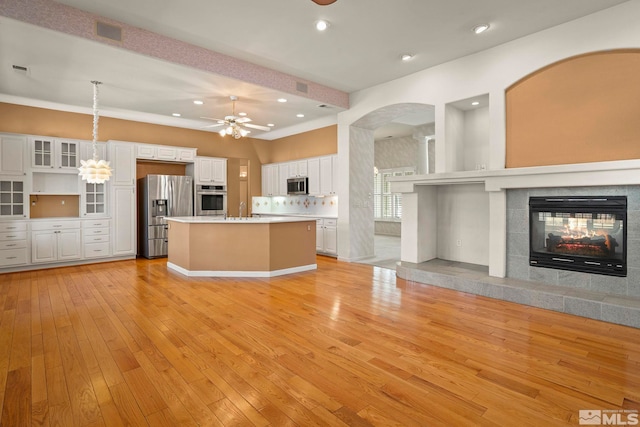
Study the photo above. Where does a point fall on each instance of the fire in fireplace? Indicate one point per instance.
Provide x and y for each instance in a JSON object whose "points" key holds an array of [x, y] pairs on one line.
{"points": [[585, 234]]}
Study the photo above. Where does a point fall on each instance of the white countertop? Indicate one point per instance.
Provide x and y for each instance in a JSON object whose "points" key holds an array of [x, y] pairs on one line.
{"points": [[301, 215], [235, 220]]}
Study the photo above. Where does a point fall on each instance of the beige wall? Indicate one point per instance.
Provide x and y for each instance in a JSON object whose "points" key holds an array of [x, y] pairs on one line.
{"points": [[249, 151], [583, 109]]}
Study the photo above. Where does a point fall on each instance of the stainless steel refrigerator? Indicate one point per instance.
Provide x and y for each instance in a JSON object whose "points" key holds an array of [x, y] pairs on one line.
{"points": [[161, 196]]}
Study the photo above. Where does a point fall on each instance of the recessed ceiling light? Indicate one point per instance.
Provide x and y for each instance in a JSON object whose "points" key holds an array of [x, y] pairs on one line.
{"points": [[242, 114], [198, 102], [406, 57], [322, 25], [480, 28], [176, 114], [474, 103], [282, 100], [300, 115]]}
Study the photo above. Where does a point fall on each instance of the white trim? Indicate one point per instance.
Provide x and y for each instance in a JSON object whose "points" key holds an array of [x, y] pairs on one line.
{"points": [[210, 273]]}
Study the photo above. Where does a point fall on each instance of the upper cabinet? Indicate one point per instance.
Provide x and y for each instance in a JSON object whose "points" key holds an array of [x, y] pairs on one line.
{"points": [[165, 153], [209, 171], [54, 153], [12, 154], [298, 168], [321, 172], [123, 161]]}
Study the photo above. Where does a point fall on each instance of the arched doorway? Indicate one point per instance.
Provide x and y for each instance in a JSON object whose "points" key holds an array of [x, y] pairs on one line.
{"points": [[358, 217]]}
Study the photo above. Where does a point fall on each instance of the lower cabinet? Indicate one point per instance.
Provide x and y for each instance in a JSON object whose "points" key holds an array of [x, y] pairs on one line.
{"points": [[95, 238], [53, 241], [13, 244], [123, 236], [327, 236]]}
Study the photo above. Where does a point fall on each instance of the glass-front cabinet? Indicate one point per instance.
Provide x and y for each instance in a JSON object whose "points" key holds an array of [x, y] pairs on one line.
{"points": [[54, 153], [11, 198], [95, 199]]}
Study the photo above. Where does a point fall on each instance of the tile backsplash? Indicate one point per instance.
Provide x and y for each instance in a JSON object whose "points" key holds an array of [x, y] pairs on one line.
{"points": [[306, 205]]}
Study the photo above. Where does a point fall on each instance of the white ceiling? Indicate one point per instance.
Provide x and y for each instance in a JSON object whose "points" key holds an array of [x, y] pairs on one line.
{"points": [[360, 49]]}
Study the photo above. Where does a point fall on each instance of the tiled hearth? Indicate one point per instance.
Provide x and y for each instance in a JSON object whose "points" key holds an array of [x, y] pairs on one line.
{"points": [[508, 275]]}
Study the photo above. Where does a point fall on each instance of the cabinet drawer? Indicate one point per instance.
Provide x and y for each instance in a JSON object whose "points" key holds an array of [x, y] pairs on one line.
{"points": [[55, 225], [13, 235], [94, 238], [95, 223], [13, 226], [96, 231], [13, 257], [13, 244], [330, 222], [94, 250]]}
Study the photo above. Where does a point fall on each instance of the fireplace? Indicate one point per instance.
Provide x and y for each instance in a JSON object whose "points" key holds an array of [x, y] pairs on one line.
{"points": [[587, 234]]}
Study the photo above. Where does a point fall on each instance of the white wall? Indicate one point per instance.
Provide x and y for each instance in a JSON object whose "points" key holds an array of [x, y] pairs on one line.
{"points": [[475, 141], [463, 232], [489, 72]]}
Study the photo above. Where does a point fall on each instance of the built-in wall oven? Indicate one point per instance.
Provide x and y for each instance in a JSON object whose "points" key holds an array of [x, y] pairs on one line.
{"points": [[211, 200]]}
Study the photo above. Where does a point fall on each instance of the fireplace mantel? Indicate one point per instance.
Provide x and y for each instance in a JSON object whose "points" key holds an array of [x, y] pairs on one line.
{"points": [[620, 172], [420, 200]]}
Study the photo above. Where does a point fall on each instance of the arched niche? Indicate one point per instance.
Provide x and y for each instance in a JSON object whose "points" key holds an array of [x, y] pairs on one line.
{"points": [[582, 109]]}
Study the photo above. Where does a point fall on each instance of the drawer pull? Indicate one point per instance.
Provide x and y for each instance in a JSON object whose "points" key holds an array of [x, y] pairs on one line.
{"points": [[11, 228], [12, 245], [97, 231], [57, 226], [97, 223], [11, 257], [10, 236]]}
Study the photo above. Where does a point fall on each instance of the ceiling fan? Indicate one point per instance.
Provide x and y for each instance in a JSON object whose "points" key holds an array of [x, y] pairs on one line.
{"points": [[235, 126]]}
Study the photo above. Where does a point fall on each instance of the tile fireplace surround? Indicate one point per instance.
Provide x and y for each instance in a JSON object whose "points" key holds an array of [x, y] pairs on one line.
{"points": [[508, 275]]}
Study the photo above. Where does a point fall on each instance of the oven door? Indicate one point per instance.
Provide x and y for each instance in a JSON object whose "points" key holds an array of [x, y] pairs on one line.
{"points": [[211, 203]]}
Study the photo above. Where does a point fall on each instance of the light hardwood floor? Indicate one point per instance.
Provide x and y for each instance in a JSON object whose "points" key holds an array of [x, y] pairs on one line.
{"points": [[129, 343]]}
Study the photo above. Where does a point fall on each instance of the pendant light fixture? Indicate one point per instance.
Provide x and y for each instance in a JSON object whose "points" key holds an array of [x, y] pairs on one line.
{"points": [[95, 171]]}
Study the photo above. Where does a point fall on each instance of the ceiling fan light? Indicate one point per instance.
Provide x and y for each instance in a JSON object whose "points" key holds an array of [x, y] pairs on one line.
{"points": [[222, 132]]}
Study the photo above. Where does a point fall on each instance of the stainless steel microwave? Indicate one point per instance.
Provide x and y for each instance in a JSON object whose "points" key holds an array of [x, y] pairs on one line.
{"points": [[211, 200], [298, 185]]}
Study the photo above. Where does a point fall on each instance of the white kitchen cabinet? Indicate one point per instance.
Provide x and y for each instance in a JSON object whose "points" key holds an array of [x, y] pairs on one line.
{"points": [[96, 238], [13, 243], [53, 241], [313, 171], [270, 180], [327, 236], [165, 153], [283, 174], [123, 162], [12, 197], [297, 168], [53, 153], [123, 232], [209, 170], [94, 199], [12, 154], [328, 172]]}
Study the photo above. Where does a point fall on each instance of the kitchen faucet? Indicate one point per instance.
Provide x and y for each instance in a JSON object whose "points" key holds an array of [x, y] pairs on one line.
{"points": [[243, 205]]}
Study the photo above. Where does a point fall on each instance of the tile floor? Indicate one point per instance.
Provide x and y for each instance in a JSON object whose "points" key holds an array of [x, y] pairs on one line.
{"points": [[387, 252]]}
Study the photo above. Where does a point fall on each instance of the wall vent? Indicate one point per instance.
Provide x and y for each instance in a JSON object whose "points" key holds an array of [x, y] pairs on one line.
{"points": [[20, 69], [302, 87], [108, 31]]}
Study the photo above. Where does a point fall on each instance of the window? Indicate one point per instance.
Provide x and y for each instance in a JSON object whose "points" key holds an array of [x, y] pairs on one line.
{"points": [[388, 205]]}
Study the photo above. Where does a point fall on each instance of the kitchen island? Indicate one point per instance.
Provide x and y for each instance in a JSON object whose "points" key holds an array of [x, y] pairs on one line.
{"points": [[241, 247]]}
